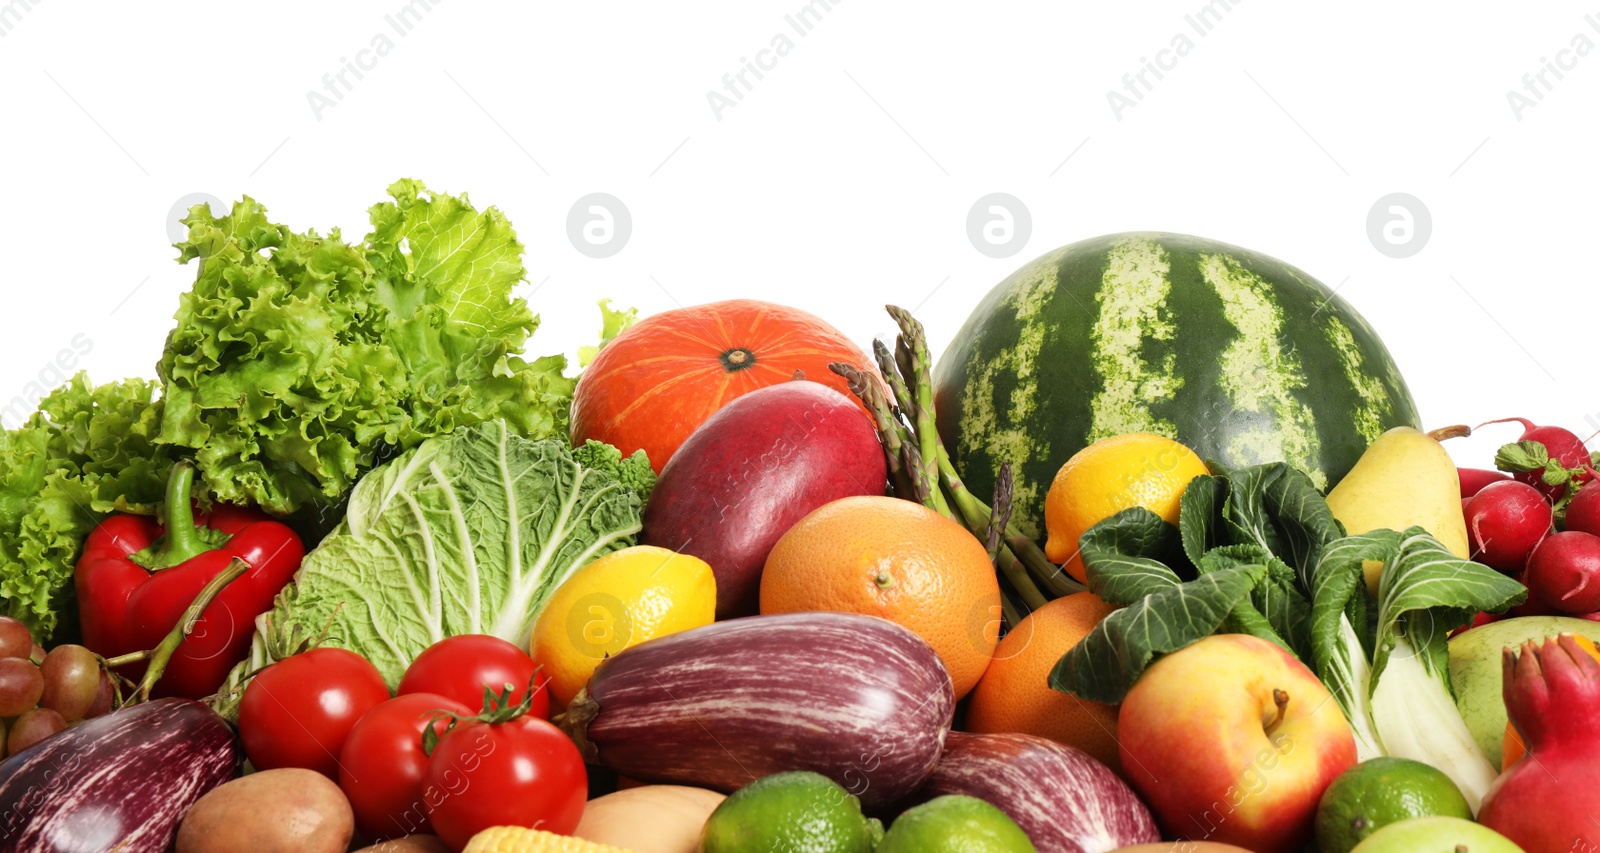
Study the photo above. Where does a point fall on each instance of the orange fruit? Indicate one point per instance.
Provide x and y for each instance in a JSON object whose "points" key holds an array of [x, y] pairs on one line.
{"points": [[899, 560], [1015, 695], [1511, 746], [1109, 476]]}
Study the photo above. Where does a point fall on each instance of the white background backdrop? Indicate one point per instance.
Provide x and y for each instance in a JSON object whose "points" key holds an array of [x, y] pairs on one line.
{"points": [[843, 179]]}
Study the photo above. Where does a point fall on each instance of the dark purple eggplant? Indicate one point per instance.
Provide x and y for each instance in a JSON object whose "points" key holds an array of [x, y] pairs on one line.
{"points": [[119, 782], [1064, 799], [858, 699]]}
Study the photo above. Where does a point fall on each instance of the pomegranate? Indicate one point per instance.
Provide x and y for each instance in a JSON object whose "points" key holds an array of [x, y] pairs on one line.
{"points": [[1544, 802]]}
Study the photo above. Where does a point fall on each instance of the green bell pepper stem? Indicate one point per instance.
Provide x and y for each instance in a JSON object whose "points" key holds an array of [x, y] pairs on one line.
{"points": [[182, 541]]}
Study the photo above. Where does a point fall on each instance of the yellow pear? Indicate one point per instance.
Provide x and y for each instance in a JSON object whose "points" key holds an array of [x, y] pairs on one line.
{"points": [[1405, 478]]}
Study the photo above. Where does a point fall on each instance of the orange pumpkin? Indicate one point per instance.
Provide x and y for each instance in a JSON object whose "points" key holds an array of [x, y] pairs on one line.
{"points": [[655, 383]]}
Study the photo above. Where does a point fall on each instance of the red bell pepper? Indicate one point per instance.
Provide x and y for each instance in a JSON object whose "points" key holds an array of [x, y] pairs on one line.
{"points": [[137, 575]]}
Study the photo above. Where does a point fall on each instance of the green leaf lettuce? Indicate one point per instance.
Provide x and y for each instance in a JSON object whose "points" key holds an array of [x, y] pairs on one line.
{"points": [[300, 360]]}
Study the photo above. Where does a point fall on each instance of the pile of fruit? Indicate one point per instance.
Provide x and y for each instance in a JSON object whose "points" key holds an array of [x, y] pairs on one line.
{"points": [[1155, 557]]}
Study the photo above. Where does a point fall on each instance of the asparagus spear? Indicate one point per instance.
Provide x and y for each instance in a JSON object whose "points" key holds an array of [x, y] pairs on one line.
{"points": [[924, 470]]}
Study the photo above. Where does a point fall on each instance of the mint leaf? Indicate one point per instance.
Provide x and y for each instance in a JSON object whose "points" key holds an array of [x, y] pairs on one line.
{"points": [[1555, 474], [1522, 456]]}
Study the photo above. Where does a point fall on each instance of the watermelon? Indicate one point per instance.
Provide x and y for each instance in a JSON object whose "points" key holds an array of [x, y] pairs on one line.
{"points": [[1240, 356]]}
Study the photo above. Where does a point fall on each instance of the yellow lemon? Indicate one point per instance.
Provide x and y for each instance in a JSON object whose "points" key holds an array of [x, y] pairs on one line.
{"points": [[1109, 476], [615, 602]]}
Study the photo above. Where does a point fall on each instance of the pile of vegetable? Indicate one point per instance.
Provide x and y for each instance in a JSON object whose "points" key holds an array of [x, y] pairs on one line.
{"points": [[356, 571]]}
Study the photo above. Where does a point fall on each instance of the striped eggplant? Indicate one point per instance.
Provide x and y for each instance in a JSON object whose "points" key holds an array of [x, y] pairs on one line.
{"points": [[858, 699], [1240, 356], [1066, 801], [119, 782]]}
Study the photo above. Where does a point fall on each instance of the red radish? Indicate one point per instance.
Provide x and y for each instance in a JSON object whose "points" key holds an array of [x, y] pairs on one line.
{"points": [[1547, 800], [1505, 522], [1583, 514], [1564, 572], [1562, 445], [1474, 479], [1534, 606], [1479, 620]]}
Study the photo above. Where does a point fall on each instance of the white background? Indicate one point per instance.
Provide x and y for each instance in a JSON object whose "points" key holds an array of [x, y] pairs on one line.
{"points": [[843, 179]]}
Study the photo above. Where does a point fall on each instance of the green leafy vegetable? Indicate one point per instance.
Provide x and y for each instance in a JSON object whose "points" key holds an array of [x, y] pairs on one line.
{"points": [[613, 323], [299, 360], [86, 452], [1258, 552], [1425, 593], [465, 533]]}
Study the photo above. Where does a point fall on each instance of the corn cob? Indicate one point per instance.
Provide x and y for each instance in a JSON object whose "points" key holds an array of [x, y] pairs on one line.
{"points": [[520, 839]]}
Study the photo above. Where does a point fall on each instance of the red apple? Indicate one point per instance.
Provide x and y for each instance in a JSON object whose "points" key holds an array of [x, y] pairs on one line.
{"points": [[1233, 740]]}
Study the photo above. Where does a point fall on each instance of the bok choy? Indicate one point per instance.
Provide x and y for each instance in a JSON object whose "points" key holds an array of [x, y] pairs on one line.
{"points": [[1256, 551]]}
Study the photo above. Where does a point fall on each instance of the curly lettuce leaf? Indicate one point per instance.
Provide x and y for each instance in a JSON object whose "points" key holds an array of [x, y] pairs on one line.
{"points": [[612, 323], [634, 471], [87, 451], [299, 361], [468, 533]]}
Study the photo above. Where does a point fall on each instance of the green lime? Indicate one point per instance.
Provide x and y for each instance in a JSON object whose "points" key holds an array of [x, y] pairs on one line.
{"points": [[955, 824], [800, 811], [1437, 835], [1381, 791]]}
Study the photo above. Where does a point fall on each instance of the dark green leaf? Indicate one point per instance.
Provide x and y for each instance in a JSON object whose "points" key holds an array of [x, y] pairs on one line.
{"points": [[1229, 556], [1285, 607], [1427, 592], [1105, 664], [1300, 513], [1123, 556], [1244, 515], [1198, 515], [1337, 653], [1244, 618]]}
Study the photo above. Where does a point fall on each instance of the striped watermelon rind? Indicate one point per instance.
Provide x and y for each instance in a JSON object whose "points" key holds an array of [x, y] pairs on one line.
{"points": [[1238, 355]]}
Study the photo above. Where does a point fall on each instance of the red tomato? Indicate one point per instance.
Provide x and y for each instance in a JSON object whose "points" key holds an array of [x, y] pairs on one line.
{"points": [[525, 772], [382, 764], [298, 711], [461, 667]]}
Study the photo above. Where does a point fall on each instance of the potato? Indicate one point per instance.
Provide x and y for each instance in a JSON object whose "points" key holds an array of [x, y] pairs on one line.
{"points": [[649, 819], [409, 844], [274, 811]]}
